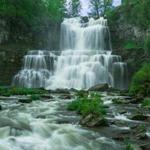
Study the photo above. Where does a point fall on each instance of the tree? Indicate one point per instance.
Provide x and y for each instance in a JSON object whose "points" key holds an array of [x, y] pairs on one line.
{"points": [[74, 8], [137, 12], [99, 7], [56, 9]]}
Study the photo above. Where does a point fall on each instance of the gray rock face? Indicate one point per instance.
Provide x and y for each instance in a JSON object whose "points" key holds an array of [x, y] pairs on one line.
{"points": [[3, 32]]}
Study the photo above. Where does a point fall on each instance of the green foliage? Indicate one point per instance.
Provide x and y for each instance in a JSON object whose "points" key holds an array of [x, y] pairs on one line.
{"points": [[20, 91], [91, 104], [26, 18], [146, 103], [100, 7], [56, 9], [74, 8], [35, 97], [147, 44], [128, 145], [137, 12], [128, 45], [141, 81], [82, 93]]}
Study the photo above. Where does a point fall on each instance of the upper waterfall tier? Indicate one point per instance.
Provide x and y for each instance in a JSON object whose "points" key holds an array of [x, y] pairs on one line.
{"points": [[93, 35]]}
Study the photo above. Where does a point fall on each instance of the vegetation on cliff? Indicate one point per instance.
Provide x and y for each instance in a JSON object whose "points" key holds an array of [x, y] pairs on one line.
{"points": [[25, 19], [141, 82]]}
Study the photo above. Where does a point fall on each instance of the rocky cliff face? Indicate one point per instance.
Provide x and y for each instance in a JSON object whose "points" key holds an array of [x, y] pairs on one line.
{"points": [[3, 31], [121, 32], [125, 31]]}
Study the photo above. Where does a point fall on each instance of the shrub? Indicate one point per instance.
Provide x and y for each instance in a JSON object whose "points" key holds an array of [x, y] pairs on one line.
{"points": [[128, 45], [146, 103], [92, 104], [20, 91], [141, 81]]}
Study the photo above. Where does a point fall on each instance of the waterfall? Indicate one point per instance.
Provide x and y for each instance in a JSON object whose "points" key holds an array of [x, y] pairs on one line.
{"points": [[37, 68], [85, 59]]}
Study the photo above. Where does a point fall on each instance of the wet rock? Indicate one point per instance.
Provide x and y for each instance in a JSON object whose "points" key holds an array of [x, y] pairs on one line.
{"points": [[142, 136], [60, 91], [99, 87], [4, 132], [141, 117], [120, 101], [145, 146], [119, 138], [93, 121], [25, 100], [65, 96], [122, 112], [46, 96]]}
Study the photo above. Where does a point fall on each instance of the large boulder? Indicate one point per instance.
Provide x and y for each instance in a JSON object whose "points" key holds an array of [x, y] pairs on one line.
{"points": [[99, 87]]}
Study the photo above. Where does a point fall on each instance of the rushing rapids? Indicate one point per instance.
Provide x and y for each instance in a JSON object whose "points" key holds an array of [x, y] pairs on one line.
{"points": [[85, 60]]}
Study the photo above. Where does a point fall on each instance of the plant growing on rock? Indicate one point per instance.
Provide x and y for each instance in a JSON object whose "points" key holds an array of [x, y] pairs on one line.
{"points": [[91, 104], [146, 103], [140, 85], [20, 91]]}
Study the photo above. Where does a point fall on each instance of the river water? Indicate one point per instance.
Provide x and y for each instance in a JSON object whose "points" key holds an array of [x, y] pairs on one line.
{"points": [[46, 125]]}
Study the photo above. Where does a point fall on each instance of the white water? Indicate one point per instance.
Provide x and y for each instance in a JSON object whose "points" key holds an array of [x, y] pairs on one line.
{"points": [[85, 60], [36, 126], [36, 70]]}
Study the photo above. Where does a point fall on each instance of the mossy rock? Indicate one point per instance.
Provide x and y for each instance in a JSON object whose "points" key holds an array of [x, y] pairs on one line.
{"points": [[139, 117], [92, 120]]}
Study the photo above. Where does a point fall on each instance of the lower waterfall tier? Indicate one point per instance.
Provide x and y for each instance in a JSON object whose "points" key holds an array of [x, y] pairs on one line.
{"points": [[72, 69]]}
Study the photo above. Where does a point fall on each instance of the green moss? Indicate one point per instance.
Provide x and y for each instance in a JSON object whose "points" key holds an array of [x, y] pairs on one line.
{"points": [[147, 44], [129, 45], [141, 82], [35, 97], [92, 104], [20, 91], [146, 103]]}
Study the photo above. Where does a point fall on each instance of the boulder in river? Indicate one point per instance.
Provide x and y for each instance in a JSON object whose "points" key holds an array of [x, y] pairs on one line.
{"points": [[65, 96], [46, 96], [25, 100], [99, 87], [60, 91], [141, 117], [93, 121]]}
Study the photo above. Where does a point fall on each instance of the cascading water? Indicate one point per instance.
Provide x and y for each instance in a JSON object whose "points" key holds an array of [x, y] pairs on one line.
{"points": [[85, 60], [37, 68]]}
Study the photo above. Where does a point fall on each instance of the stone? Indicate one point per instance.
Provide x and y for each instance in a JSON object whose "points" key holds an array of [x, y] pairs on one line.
{"points": [[99, 87], [46, 96], [65, 96], [25, 100], [139, 117], [120, 101], [60, 91], [93, 121]]}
